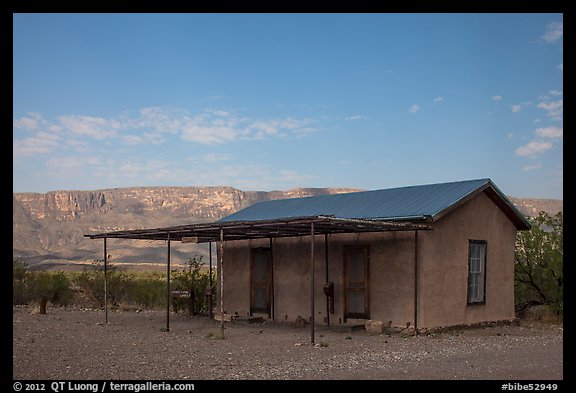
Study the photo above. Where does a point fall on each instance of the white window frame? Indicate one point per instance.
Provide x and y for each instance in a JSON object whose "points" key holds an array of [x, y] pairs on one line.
{"points": [[477, 250]]}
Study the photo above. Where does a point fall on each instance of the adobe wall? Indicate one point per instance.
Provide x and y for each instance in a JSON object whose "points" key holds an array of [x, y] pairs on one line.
{"points": [[443, 270], [444, 266]]}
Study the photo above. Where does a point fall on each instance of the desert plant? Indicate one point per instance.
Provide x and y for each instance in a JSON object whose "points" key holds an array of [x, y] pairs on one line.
{"points": [[539, 263], [49, 287], [192, 279]]}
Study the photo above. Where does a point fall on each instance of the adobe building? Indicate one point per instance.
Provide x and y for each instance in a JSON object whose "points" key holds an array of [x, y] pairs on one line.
{"points": [[424, 256]]}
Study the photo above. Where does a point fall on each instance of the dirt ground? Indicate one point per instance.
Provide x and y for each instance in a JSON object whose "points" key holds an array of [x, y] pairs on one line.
{"points": [[73, 343]]}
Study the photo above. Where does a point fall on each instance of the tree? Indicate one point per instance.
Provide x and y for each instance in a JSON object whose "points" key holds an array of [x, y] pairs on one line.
{"points": [[539, 263]]}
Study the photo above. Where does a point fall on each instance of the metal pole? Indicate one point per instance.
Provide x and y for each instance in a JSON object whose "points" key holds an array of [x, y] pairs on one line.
{"points": [[312, 283], [210, 296], [272, 280], [105, 282], [210, 252], [222, 282], [326, 263], [416, 282], [168, 285]]}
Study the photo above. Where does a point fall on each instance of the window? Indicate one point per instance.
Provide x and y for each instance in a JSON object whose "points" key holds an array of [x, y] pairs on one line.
{"points": [[476, 271]]}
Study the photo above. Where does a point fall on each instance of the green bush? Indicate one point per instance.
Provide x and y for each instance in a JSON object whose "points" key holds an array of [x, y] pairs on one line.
{"points": [[20, 293], [192, 279], [539, 263], [54, 287]]}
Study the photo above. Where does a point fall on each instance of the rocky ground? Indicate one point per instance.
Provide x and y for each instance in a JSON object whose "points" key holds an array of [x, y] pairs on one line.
{"points": [[73, 343]]}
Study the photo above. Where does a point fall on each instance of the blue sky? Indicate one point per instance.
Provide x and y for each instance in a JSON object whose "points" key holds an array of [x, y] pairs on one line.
{"points": [[278, 101]]}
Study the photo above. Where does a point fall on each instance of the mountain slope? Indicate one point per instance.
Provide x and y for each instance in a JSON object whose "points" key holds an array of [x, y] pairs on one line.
{"points": [[49, 228]]}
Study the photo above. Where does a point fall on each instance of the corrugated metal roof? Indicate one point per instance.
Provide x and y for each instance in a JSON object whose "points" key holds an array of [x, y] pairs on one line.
{"points": [[413, 202]]}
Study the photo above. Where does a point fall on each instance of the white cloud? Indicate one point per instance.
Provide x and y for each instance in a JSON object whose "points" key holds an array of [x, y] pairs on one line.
{"points": [[152, 125], [202, 134], [414, 108], [554, 32], [496, 98], [25, 122], [41, 143], [215, 157], [69, 166], [532, 167], [279, 127], [438, 99], [550, 132], [509, 135], [554, 109], [555, 93], [516, 108], [533, 148], [536, 121], [93, 127], [355, 117], [561, 67]]}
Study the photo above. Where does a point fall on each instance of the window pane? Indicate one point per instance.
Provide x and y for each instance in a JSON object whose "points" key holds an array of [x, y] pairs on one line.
{"points": [[476, 274]]}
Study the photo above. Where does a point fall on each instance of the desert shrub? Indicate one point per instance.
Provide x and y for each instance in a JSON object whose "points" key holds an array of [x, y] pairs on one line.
{"points": [[191, 278], [539, 263], [20, 293], [91, 283], [145, 290], [53, 287]]}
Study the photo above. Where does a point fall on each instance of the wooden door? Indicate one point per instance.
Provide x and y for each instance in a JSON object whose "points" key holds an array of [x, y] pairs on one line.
{"points": [[260, 281], [356, 282]]}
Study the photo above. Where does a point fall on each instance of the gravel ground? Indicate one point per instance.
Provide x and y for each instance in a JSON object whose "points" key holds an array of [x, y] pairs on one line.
{"points": [[72, 343]]}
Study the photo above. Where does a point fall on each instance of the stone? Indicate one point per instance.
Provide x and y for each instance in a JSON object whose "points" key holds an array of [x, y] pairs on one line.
{"points": [[374, 327]]}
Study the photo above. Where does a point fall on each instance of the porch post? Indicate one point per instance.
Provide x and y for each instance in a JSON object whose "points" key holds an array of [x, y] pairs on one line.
{"points": [[416, 282], [312, 283], [222, 282], [168, 284], [272, 280], [210, 296], [326, 263], [105, 282]]}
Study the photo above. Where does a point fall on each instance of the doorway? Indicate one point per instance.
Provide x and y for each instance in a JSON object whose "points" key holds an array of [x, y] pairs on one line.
{"points": [[260, 281], [356, 282]]}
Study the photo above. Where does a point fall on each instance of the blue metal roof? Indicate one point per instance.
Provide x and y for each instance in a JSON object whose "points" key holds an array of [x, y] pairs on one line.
{"points": [[394, 204]]}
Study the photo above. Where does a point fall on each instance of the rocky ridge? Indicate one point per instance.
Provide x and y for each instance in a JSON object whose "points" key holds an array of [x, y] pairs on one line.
{"points": [[49, 228]]}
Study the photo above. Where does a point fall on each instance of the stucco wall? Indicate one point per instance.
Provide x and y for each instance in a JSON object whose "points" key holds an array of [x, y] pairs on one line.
{"points": [[443, 269], [444, 266]]}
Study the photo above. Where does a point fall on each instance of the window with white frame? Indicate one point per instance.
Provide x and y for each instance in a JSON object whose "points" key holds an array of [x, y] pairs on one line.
{"points": [[476, 271]]}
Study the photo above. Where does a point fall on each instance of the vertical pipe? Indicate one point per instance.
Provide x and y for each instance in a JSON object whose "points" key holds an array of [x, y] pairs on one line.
{"points": [[312, 282], [210, 296], [105, 282], [326, 268], [168, 285], [222, 282], [271, 281], [210, 253], [416, 282]]}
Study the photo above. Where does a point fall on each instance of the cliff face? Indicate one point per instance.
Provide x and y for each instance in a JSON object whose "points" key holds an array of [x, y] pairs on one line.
{"points": [[51, 226]]}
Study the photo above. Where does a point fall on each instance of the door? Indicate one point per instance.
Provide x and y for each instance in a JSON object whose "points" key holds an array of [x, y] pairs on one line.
{"points": [[260, 281], [356, 275]]}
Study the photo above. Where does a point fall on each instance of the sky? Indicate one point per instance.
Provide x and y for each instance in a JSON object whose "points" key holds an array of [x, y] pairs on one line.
{"points": [[280, 101]]}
